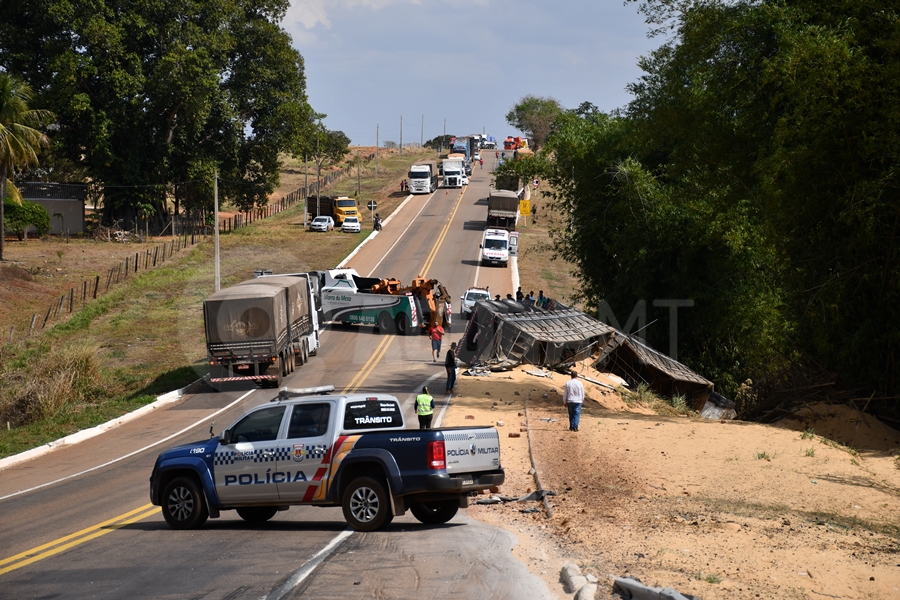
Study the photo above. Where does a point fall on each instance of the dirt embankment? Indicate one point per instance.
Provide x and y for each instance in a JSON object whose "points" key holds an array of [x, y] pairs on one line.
{"points": [[714, 509]]}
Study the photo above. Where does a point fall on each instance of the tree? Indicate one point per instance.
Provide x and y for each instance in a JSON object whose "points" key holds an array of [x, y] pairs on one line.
{"points": [[153, 98], [21, 216], [534, 116], [20, 141], [441, 141]]}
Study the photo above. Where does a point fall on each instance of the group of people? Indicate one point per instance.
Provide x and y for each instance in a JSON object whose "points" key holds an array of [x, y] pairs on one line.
{"points": [[404, 186]]}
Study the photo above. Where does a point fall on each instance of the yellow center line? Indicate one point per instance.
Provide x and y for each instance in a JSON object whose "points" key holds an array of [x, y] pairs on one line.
{"points": [[437, 245], [84, 535], [356, 382]]}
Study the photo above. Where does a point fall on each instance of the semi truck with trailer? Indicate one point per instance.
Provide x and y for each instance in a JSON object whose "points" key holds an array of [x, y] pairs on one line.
{"points": [[423, 178], [348, 298], [249, 334], [453, 173], [349, 451], [503, 210]]}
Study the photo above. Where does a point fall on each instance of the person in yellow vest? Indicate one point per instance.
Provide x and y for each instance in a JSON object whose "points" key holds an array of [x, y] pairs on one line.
{"points": [[425, 408]]}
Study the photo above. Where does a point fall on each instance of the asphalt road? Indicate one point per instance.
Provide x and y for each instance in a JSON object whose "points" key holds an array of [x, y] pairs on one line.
{"points": [[77, 522]]}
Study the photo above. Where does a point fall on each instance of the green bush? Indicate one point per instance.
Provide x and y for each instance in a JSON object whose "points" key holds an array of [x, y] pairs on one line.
{"points": [[18, 217]]}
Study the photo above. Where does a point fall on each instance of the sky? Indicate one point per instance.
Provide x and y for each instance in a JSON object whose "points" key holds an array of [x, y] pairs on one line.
{"points": [[369, 63]]}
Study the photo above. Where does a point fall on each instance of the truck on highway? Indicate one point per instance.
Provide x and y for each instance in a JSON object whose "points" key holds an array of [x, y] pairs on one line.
{"points": [[454, 173], [461, 146], [423, 177], [249, 334], [336, 207], [503, 210], [303, 309], [351, 451], [348, 298]]}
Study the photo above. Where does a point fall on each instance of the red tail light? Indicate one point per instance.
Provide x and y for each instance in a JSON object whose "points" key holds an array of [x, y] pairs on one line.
{"points": [[437, 457]]}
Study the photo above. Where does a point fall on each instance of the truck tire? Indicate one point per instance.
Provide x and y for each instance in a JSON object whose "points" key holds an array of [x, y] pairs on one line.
{"points": [[403, 324], [257, 514], [385, 324], [183, 505], [435, 513], [305, 351], [366, 504], [278, 368]]}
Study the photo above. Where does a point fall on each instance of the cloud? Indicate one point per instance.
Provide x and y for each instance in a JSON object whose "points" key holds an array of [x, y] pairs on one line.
{"points": [[310, 13]]}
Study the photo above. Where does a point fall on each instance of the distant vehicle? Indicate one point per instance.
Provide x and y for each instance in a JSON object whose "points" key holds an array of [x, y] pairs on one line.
{"points": [[503, 210], [454, 173], [495, 247], [322, 224], [423, 178], [339, 208], [477, 156], [468, 300], [351, 225], [465, 180]]}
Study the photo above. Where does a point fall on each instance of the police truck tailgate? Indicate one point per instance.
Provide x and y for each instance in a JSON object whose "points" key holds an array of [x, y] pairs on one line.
{"points": [[471, 450]]}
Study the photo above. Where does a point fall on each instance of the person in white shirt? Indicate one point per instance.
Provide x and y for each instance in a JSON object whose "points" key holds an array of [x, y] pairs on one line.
{"points": [[573, 397]]}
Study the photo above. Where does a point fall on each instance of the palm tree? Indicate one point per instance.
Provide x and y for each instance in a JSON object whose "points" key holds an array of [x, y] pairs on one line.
{"points": [[19, 140]]}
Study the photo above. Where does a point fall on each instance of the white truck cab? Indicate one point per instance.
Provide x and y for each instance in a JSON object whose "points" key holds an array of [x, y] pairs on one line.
{"points": [[495, 247]]}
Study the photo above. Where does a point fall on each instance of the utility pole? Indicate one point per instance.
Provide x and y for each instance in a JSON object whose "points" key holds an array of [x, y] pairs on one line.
{"points": [[305, 187], [216, 219], [401, 136], [376, 150], [445, 135], [318, 176], [357, 175], [422, 135]]}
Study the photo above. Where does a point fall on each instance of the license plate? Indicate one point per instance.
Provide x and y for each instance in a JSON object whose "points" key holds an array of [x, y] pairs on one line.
{"points": [[467, 481]]}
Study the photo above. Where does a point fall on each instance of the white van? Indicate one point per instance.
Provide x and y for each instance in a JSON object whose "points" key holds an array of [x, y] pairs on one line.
{"points": [[495, 247]]}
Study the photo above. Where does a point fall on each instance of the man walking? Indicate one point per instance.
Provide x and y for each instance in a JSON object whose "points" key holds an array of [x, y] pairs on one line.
{"points": [[436, 333], [573, 397]]}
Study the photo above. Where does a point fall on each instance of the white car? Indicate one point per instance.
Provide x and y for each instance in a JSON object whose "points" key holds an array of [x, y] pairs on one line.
{"points": [[351, 225], [469, 299], [465, 180], [477, 156], [322, 224]]}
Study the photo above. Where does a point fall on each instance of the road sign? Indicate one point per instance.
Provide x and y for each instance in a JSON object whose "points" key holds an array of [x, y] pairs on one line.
{"points": [[524, 207], [372, 205], [536, 182]]}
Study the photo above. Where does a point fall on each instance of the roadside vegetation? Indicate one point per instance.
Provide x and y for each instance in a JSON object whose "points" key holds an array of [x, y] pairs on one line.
{"points": [[760, 195], [145, 337]]}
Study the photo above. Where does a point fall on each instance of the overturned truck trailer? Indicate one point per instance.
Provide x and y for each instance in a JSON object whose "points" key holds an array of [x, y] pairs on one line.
{"points": [[503, 334]]}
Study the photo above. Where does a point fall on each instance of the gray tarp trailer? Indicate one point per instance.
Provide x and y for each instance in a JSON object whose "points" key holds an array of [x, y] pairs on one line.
{"points": [[503, 210], [301, 312], [247, 335]]}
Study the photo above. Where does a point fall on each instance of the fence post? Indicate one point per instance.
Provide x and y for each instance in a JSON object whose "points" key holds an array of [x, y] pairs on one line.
{"points": [[34, 318], [109, 279], [60, 306], [46, 317], [83, 293], [71, 300], [135, 262], [96, 285], [127, 266], [12, 330], [119, 272]]}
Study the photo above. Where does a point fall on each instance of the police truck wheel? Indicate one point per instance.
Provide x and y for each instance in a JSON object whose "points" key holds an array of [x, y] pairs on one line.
{"points": [[366, 505], [257, 514], [183, 505], [385, 324], [403, 324], [434, 513]]}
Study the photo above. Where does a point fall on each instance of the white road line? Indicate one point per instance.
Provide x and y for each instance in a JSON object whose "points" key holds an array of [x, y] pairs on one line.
{"points": [[129, 455], [304, 571], [400, 237]]}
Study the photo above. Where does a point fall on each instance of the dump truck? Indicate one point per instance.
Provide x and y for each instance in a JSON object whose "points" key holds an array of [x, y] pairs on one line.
{"points": [[503, 210], [336, 207], [248, 334], [348, 298]]}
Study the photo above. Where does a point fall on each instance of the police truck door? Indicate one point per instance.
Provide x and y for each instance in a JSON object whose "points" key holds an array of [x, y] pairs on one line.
{"points": [[304, 454], [244, 468]]}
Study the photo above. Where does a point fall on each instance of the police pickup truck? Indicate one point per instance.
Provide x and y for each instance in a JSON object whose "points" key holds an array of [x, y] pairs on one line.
{"points": [[351, 451]]}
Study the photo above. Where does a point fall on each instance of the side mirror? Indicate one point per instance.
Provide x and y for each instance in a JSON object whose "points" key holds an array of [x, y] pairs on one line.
{"points": [[225, 438], [480, 246]]}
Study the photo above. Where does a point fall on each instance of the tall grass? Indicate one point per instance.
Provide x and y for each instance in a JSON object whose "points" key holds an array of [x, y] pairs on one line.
{"points": [[59, 378], [644, 396]]}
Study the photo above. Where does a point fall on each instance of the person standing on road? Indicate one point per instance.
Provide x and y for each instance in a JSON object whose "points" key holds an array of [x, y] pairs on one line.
{"points": [[573, 398], [450, 365], [519, 295], [436, 333], [481, 162], [424, 408]]}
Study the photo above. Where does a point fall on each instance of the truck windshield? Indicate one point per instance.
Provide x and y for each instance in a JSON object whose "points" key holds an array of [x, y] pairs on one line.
{"points": [[495, 244], [418, 174], [346, 203]]}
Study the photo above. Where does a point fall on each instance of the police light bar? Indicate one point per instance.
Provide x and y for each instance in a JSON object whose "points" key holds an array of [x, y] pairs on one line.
{"points": [[286, 392]]}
